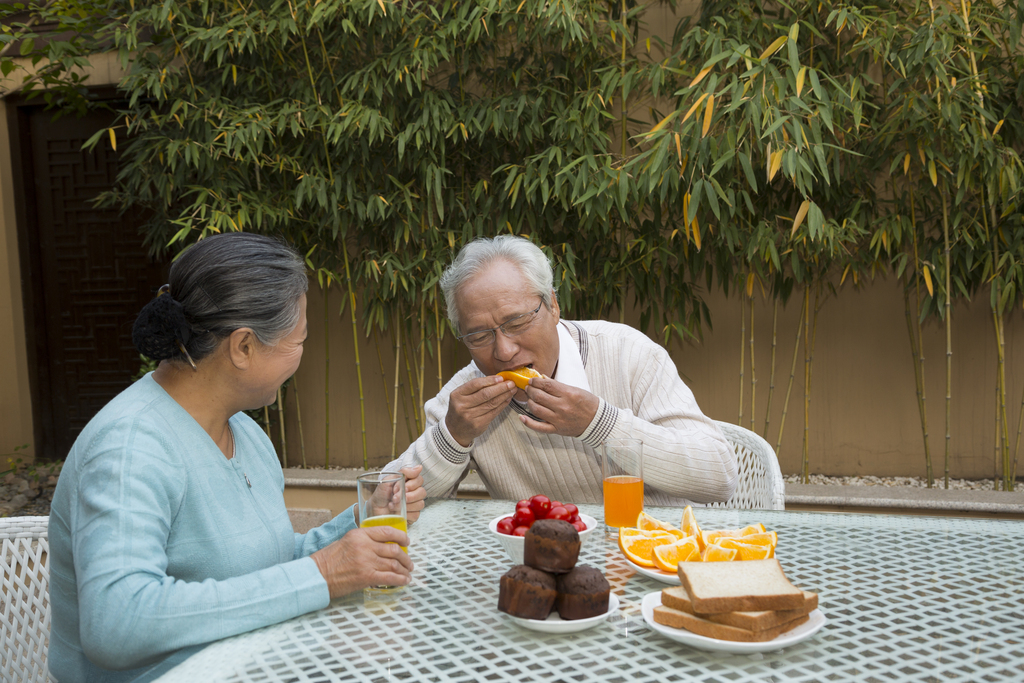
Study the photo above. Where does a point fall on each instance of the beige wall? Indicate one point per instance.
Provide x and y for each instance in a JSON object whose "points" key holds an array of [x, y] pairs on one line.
{"points": [[15, 400], [863, 411]]}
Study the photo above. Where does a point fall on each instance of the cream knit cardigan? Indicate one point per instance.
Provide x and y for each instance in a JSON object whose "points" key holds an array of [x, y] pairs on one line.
{"points": [[686, 458]]}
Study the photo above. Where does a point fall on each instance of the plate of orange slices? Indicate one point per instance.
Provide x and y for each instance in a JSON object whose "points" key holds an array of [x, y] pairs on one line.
{"points": [[655, 548]]}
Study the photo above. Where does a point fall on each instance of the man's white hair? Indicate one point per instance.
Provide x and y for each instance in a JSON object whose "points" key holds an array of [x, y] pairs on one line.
{"points": [[478, 254]]}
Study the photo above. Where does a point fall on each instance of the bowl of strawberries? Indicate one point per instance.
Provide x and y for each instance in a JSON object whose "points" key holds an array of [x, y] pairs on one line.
{"points": [[511, 528]]}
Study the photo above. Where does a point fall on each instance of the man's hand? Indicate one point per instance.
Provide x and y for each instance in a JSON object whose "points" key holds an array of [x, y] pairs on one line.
{"points": [[565, 410], [363, 558], [415, 494], [474, 405]]}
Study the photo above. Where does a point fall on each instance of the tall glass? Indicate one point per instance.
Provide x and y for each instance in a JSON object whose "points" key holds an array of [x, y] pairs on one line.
{"points": [[382, 503], [622, 474]]}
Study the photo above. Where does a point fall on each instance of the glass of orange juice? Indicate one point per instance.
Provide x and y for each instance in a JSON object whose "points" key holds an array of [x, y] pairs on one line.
{"points": [[622, 474], [381, 503]]}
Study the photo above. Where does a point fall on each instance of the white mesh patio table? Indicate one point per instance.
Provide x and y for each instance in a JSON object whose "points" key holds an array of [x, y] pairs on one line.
{"points": [[907, 599]]}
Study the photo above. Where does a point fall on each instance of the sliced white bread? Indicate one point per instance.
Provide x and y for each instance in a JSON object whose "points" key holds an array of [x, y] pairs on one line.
{"points": [[676, 598], [750, 586], [711, 629]]}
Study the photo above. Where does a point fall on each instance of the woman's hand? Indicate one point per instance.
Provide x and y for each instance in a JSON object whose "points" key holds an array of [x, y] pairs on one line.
{"points": [[415, 494], [365, 557]]}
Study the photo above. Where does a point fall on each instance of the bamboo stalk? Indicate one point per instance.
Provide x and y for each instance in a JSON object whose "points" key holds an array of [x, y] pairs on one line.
{"points": [[792, 375], [919, 362], [771, 374], [809, 367], [298, 413], [384, 379], [1004, 441], [327, 378], [266, 420], [949, 330], [805, 463], [355, 346], [918, 381], [398, 374], [997, 476], [412, 387], [280, 424], [753, 375], [743, 349], [1016, 445], [423, 359], [437, 329]]}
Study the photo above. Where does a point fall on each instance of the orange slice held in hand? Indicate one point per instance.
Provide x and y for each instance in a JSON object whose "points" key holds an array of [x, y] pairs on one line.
{"points": [[521, 376]]}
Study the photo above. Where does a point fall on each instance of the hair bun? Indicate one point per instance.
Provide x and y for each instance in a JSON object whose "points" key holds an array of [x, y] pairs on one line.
{"points": [[160, 327]]}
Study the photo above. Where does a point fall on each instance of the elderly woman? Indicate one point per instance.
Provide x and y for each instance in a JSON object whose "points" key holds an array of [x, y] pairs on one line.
{"points": [[168, 527]]}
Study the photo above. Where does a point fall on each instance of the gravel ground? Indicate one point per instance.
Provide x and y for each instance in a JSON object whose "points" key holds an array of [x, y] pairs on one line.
{"points": [[907, 482], [30, 493]]}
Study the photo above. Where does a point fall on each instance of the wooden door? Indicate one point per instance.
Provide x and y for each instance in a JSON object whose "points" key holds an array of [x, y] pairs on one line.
{"points": [[89, 274]]}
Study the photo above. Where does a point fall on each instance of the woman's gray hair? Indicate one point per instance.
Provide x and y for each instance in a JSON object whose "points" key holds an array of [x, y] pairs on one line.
{"points": [[220, 284], [478, 254]]}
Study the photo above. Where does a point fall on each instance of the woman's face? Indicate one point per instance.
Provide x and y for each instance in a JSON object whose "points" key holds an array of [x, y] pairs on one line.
{"points": [[273, 365]]}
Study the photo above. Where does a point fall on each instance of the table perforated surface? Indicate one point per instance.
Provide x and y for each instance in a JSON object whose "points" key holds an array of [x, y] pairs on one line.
{"points": [[906, 598]]}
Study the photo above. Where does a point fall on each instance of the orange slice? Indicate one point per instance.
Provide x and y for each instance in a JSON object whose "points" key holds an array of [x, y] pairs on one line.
{"points": [[716, 553], [667, 557], [647, 523], [689, 526], [747, 551], [521, 376], [752, 529], [638, 544], [768, 538]]}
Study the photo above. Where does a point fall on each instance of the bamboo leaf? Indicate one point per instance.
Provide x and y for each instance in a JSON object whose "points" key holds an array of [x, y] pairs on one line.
{"points": [[708, 112], [113, 138], [801, 212], [661, 124], [906, 164], [932, 173], [689, 112], [774, 47], [700, 76], [775, 161], [928, 280], [800, 76]]}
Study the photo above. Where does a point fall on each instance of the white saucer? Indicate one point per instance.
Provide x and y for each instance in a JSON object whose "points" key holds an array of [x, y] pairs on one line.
{"points": [[654, 573], [555, 624], [797, 635]]}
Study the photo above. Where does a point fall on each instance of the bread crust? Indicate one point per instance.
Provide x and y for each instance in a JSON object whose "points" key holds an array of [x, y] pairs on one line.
{"points": [[676, 598], [710, 629]]}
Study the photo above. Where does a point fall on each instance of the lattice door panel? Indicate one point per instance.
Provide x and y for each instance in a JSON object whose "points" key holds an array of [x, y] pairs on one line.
{"points": [[95, 273]]}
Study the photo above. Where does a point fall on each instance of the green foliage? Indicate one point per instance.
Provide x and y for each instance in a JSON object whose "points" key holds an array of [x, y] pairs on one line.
{"points": [[48, 63]]}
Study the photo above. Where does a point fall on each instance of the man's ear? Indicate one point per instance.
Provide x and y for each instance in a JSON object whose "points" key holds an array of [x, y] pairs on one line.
{"points": [[554, 306], [242, 348]]}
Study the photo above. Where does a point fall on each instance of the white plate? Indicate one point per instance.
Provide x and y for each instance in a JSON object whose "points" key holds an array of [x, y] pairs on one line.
{"points": [[797, 635], [655, 573], [555, 624]]}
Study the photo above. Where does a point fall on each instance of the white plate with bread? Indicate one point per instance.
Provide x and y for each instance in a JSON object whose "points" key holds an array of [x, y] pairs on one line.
{"points": [[555, 624], [738, 607]]}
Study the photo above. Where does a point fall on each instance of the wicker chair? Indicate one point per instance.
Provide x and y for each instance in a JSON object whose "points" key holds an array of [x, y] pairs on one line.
{"points": [[25, 600], [760, 485]]}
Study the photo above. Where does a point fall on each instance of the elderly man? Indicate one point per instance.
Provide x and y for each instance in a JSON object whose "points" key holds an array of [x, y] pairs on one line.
{"points": [[607, 381]]}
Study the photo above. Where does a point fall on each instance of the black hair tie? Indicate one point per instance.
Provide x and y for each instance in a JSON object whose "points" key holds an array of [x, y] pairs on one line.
{"points": [[161, 330]]}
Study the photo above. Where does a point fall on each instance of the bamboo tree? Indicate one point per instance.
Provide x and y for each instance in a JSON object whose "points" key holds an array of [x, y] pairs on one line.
{"points": [[298, 415], [281, 428], [327, 376], [771, 374], [743, 344], [355, 346], [792, 375]]}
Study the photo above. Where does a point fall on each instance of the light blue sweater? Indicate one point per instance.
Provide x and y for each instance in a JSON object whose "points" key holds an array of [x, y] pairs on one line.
{"points": [[157, 541]]}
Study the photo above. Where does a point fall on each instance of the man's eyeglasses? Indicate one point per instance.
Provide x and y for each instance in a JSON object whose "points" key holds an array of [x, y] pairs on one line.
{"points": [[509, 328]]}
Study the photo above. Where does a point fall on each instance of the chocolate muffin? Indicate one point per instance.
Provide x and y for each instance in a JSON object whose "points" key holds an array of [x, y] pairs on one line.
{"points": [[582, 593], [526, 592], [552, 545]]}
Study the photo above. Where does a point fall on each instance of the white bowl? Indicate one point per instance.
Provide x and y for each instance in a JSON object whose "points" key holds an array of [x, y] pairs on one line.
{"points": [[513, 545]]}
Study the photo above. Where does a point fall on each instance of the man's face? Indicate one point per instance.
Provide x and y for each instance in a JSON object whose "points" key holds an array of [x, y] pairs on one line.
{"points": [[494, 297]]}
